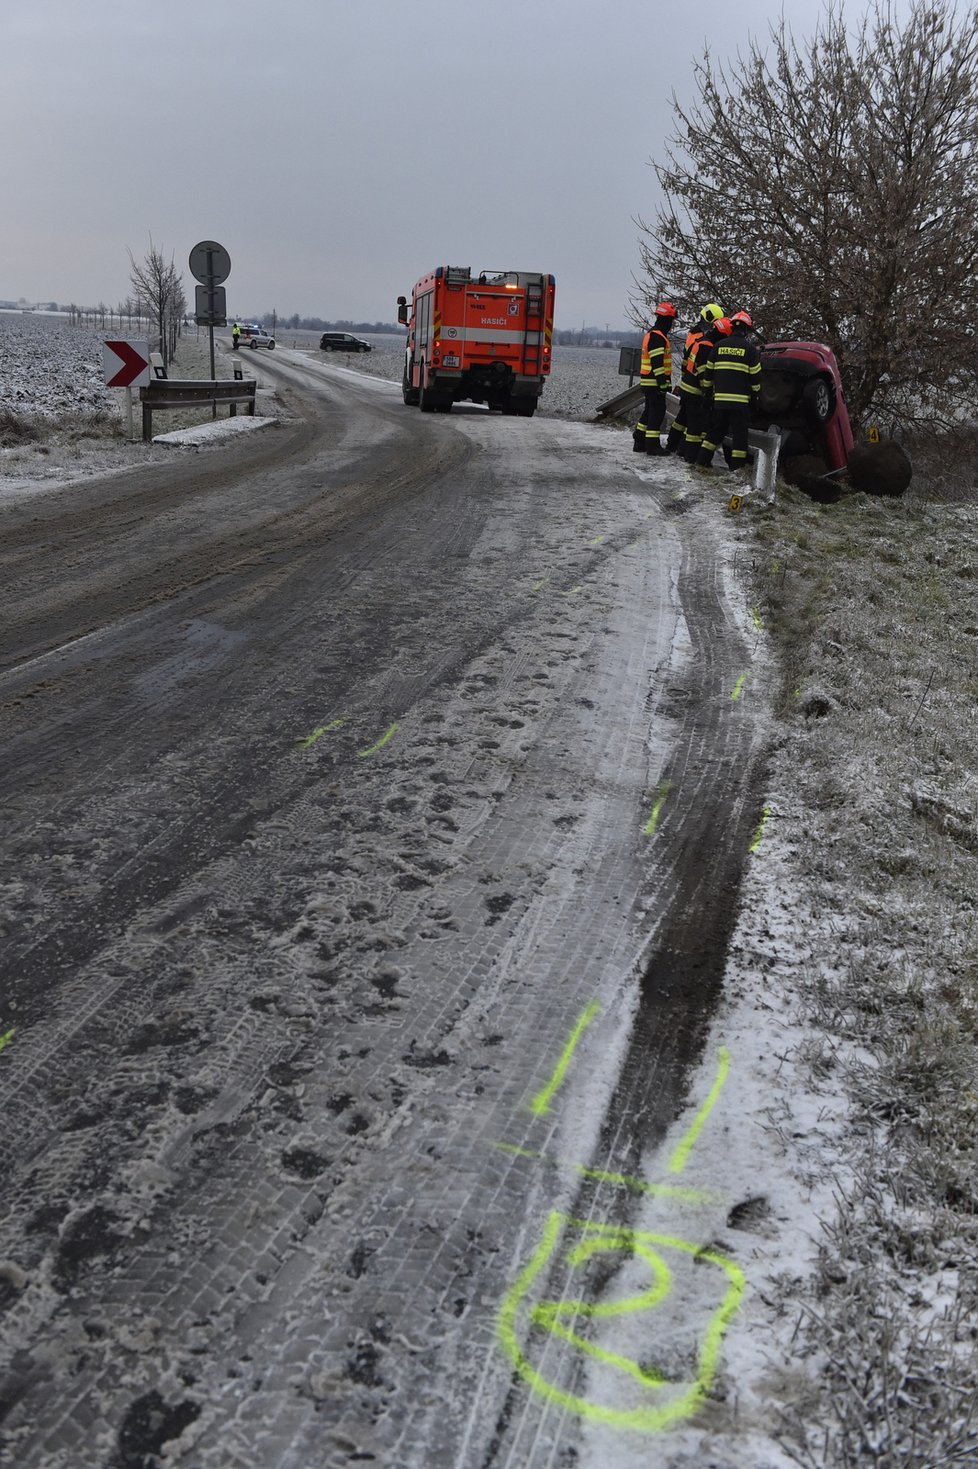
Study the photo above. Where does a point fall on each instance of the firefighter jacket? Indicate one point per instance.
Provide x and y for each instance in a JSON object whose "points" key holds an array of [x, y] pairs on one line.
{"points": [[656, 367], [734, 372], [695, 356]]}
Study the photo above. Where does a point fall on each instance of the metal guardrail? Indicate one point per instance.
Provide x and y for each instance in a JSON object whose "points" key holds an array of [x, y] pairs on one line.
{"points": [[765, 443], [181, 393]]}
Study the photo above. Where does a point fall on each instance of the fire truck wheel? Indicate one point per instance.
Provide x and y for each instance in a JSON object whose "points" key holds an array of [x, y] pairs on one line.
{"points": [[409, 394], [426, 398]]}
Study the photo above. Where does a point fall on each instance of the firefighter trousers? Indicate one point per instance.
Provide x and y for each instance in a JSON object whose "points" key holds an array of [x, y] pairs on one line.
{"points": [[695, 410], [732, 419], [648, 426]]}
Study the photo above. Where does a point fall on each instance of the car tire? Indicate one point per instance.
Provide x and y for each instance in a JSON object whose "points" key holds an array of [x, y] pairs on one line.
{"points": [[252, 345], [818, 396], [271, 346]]}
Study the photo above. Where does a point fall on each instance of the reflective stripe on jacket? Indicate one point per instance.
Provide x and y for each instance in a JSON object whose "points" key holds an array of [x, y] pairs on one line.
{"points": [[656, 366], [688, 382], [734, 373]]}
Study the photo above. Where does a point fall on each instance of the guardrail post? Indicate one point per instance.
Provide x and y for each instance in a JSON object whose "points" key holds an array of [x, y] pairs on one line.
{"points": [[767, 446]]}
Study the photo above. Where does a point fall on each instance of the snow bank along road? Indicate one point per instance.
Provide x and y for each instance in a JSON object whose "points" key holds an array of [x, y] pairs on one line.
{"points": [[376, 792]]}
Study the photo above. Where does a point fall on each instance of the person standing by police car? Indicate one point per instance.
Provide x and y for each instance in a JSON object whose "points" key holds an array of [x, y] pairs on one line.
{"points": [[655, 379]]}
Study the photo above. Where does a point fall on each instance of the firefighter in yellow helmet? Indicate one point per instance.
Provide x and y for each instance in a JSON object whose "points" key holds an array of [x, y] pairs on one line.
{"points": [[686, 429], [655, 379]]}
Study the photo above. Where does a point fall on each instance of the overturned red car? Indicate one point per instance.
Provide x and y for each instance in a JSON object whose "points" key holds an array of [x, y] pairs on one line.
{"points": [[801, 393]]}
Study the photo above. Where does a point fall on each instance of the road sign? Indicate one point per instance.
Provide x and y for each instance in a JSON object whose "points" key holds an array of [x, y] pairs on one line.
{"points": [[125, 364], [210, 263], [211, 306]]}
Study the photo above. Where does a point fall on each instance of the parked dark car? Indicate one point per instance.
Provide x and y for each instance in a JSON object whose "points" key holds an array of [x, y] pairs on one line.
{"points": [[342, 342], [801, 392]]}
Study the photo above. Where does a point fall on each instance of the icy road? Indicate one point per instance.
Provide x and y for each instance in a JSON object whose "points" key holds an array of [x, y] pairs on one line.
{"points": [[376, 791]]}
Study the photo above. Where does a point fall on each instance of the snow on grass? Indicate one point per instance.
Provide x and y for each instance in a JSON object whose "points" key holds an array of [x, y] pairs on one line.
{"points": [[60, 422], [872, 608]]}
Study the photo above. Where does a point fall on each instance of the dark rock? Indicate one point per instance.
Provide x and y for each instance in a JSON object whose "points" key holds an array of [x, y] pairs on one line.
{"points": [[880, 469]]}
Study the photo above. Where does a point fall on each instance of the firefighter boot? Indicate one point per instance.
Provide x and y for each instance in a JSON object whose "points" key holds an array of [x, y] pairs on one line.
{"points": [[638, 441], [653, 445], [675, 440]]}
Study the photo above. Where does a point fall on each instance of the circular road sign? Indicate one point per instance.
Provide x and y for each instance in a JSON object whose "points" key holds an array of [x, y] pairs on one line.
{"points": [[210, 263]]}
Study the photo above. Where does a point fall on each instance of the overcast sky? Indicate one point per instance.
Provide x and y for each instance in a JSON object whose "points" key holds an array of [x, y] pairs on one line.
{"points": [[339, 149]]}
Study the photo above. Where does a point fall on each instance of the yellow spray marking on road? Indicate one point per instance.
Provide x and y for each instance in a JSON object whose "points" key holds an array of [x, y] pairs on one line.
{"points": [[548, 1313], [649, 829], [573, 592], [538, 584], [757, 619], [648, 1417], [624, 1392], [759, 833], [597, 540], [739, 686], [7, 1037], [681, 1155], [541, 1102], [318, 733], [657, 1190], [384, 739]]}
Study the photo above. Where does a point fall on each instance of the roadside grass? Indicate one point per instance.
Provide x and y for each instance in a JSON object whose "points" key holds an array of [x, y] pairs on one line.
{"points": [[30, 433], [872, 609]]}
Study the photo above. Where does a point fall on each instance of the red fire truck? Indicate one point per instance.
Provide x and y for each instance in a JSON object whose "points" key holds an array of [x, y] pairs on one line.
{"points": [[485, 338]]}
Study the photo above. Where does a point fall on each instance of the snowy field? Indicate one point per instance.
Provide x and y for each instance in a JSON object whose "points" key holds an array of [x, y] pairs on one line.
{"points": [[50, 368], [851, 1013], [66, 422]]}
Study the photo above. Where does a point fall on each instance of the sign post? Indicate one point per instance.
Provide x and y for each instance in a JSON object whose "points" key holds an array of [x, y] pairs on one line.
{"points": [[210, 264], [126, 365]]}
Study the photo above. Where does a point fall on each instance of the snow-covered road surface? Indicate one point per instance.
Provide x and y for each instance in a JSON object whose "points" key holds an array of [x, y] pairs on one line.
{"points": [[379, 794]]}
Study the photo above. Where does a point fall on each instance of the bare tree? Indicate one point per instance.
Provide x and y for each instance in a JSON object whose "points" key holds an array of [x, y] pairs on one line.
{"points": [[830, 187], [159, 292]]}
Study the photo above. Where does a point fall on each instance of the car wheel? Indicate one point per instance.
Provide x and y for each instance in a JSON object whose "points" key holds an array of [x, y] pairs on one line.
{"points": [[271, 346], [252, 345], [819, 398]]}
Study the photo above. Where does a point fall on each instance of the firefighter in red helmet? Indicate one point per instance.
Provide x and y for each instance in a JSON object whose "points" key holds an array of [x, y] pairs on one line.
{"points": [[655, 379], [734, 378]]}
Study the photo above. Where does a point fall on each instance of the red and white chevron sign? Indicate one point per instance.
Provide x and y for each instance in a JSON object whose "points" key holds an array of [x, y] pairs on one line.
{"points": [[125, 364]]}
